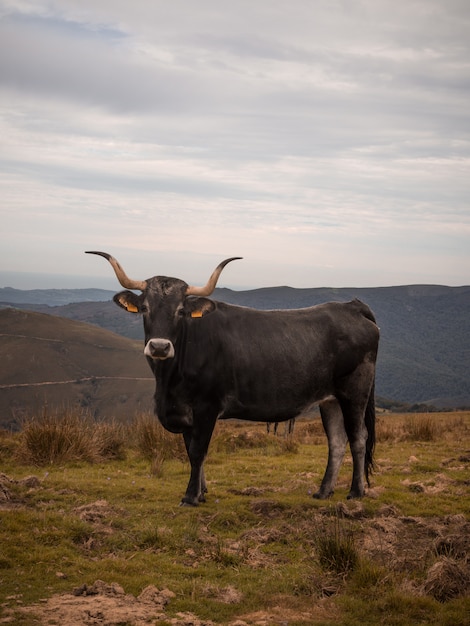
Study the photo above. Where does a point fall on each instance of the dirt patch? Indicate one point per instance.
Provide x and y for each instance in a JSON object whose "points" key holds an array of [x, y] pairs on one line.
{"points": [[448, 579], [99, 514], [267, 508], [353, 510], [249, 491], [281, 614], [227, 595], [11, 490], [107, 604], [100, 604], [95, 512], [398, 539]]}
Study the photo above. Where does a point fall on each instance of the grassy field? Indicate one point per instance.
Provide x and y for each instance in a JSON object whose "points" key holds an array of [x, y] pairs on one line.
{"points": [[81, 503]]}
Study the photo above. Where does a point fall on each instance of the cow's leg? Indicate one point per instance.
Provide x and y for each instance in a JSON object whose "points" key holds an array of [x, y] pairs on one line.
{"points": [[333, 423], [187, 436], [197, 443], [353, 397], [357, 435]]}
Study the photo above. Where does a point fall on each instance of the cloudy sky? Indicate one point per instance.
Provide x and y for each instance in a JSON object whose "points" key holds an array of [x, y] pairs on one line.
{"points": [[325, 141]]}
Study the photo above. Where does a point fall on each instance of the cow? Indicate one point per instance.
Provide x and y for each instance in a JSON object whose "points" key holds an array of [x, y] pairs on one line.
{"points": [[213, 360]]}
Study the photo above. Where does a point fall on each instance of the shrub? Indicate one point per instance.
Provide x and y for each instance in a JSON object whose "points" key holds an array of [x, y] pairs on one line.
{"points": [[8, 444], [388, 430], [157, 444], [109, 440], [54, 438], [336, 548], [422, 428], [68, 436]]}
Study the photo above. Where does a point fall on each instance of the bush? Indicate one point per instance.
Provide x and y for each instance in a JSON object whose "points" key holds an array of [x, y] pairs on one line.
{"points": [[8, 444], [109, 440], [423, 428], [157, 444], [336, 549], [56, 438]]}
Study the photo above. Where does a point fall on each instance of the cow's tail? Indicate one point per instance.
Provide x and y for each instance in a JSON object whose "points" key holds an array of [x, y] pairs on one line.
{"points": [[369, 464]]}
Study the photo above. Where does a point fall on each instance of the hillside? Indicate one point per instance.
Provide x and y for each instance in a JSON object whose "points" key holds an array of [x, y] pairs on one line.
{"points": [[425, 331], [55, 362], [52, 297]]}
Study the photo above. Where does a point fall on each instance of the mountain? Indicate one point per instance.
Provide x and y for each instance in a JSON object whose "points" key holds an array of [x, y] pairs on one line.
{"points": [[424, 354], [53, 297], [48, 361]]}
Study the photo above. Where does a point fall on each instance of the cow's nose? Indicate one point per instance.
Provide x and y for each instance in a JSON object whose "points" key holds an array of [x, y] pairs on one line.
{"points": [[159, 349]]}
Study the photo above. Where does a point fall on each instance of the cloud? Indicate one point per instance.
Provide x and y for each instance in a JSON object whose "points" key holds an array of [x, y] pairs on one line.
{"points": [[332, 136]]}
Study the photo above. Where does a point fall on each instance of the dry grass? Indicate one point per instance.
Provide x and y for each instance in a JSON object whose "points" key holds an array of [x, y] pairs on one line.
{"points": [[60, 437], [155, 444], [417, 427], [67, 436], [447, 579], [232, 442], [336, 548], [63, 437]]}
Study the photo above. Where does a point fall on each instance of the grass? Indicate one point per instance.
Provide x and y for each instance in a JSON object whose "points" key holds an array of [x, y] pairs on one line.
{"points": [[67, 436], [336, 548], [260, 541]]}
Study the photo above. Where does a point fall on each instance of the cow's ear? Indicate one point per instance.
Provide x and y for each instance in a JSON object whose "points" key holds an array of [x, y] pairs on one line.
{"points": [[128, 300], [198, 307]]}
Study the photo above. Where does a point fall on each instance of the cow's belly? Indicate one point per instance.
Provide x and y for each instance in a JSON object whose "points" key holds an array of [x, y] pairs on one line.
{"points": [[274, 405], [255, 414]]}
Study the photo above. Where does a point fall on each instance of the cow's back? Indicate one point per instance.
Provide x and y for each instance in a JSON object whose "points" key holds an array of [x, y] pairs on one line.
{"points": [[273, 364]]}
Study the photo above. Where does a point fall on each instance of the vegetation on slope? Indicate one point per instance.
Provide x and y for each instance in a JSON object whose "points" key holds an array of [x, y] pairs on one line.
{"points": [[49, 361]]}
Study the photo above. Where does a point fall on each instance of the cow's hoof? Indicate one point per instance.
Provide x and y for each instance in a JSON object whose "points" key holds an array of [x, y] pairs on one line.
{"points": [[354, 495], [321, 495], [187, 502]]}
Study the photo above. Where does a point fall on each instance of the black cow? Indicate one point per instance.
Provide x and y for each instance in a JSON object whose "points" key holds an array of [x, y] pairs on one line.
{"points": [[214, 360]]}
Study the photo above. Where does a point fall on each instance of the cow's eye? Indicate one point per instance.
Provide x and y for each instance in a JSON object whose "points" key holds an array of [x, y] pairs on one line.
{"points": [[181, 312], [143, 308]]}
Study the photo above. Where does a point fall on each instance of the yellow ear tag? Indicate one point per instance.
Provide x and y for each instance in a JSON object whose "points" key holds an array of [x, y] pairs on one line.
{"points": [[131, 308], [196, 314]]}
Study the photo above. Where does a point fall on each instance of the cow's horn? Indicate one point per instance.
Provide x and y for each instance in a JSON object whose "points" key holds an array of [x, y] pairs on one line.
{"points": [[120, 273], [209, 288]]}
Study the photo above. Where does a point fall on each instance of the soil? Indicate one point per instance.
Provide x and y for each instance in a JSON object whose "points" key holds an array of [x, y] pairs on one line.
{"points": [[104, 604], [100, 604]]}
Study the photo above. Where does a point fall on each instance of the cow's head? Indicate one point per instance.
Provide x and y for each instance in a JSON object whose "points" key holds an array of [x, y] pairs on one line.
{"points": [[164, 302]]}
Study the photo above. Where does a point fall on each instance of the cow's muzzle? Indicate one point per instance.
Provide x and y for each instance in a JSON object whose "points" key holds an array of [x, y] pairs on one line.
{"points": [[159, 349]]}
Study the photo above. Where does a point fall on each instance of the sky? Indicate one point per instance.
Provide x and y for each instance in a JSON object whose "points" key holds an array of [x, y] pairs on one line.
{"points": [[327, 142]]}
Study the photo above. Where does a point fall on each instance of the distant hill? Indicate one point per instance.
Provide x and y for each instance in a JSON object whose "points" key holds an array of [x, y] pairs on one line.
{"points": [[425, 330], [55, 362], [53, 297]]}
